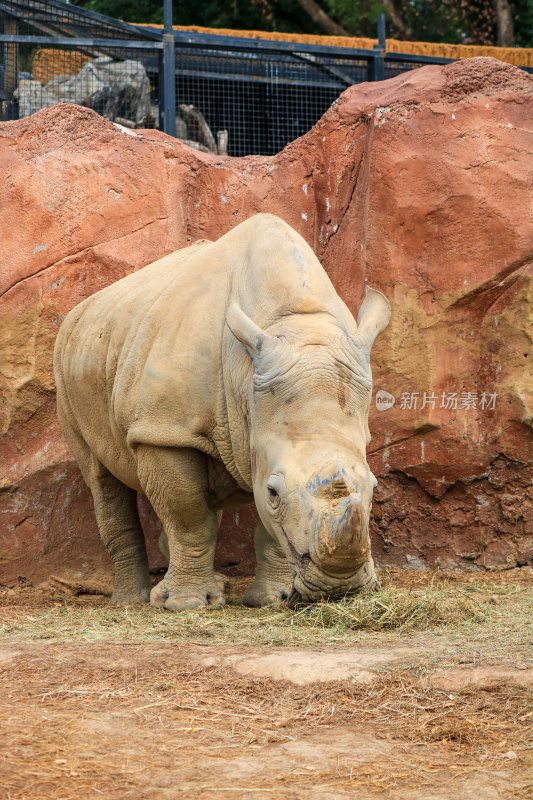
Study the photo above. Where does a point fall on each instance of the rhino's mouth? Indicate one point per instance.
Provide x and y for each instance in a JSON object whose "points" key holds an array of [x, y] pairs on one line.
{"points": [[312, 583], [294, 599], [316, 585]]}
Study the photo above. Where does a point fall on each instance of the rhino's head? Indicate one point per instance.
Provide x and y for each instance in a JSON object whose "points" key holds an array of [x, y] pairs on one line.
{"points": [[308, 417]]}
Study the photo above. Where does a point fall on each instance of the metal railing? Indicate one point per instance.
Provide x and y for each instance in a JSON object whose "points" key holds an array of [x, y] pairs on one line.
{"points": [[219, 93]]}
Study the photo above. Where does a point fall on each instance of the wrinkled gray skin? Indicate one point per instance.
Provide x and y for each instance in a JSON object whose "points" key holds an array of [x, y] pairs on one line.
{"points": [[224, 373]]}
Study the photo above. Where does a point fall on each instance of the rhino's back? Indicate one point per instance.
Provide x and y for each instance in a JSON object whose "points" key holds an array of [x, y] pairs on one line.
{"points": [[120, 305], [135, 357], [149, 360]]}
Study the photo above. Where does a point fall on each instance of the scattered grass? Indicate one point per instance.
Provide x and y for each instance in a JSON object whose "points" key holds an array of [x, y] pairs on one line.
{"points": [[467, 612], [395, 608], [108, 701]]}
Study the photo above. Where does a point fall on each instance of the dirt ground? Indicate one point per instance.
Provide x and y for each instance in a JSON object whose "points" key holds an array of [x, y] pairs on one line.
{"points": [[342, 701]]}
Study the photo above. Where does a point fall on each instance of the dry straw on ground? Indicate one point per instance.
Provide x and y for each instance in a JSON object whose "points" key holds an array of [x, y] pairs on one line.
{"points": [[407, 602], [120, 702]]}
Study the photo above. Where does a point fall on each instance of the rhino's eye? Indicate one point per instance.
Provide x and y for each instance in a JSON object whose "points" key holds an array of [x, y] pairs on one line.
{"points": [[273, 487]]}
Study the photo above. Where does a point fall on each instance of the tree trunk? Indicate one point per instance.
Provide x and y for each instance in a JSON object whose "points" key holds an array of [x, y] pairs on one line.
{"points": [[321, 19], [364, 17], [504, 22]]}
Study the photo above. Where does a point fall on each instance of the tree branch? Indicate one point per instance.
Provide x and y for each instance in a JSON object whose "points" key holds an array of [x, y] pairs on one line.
{"points": [[321, 19], [403, 29]]}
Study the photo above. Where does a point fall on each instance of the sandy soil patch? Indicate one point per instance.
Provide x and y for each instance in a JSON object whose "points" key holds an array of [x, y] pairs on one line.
{"points": [[133, 704]]}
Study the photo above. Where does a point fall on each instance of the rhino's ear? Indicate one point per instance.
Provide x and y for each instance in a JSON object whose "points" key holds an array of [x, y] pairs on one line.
{"points": [[250, 335], [374, 316]]}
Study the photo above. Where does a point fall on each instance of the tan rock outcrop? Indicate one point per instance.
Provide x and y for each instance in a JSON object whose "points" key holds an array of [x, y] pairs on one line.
{"points": [[420, 184]]}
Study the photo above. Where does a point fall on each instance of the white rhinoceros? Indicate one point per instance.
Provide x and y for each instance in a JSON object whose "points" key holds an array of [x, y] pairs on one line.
{"points": [[225, 373]]}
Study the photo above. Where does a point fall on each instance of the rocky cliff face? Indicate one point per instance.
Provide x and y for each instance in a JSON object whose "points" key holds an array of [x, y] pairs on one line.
{"points": [[420, 185]]}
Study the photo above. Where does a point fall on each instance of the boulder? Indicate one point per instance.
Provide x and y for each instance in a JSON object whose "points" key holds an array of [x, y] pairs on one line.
{"points": [[420, 185]]}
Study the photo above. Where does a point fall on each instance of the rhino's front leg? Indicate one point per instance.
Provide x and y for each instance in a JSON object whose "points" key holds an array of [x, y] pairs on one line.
{"points": [[175, 482], [273, 577]]}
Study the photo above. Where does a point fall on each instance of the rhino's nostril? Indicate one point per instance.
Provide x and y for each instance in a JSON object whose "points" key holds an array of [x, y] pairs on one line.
{"points": [[338, 489], [333, 490], [331, 482]]}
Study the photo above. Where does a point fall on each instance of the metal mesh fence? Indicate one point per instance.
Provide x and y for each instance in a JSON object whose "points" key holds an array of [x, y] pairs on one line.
{"points": [[262, 100], [232, 95], [56, 18], [114, 82], [394, 67]]}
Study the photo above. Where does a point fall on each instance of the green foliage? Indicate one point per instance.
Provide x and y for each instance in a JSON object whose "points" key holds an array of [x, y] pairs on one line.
{"points": [[523, 22], [267, 15], [359, 17], [462, 21], [140, 11], [451, 21]]}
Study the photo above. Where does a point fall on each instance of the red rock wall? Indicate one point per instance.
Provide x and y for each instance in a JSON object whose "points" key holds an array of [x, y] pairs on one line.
{"points": [[420, 185]]}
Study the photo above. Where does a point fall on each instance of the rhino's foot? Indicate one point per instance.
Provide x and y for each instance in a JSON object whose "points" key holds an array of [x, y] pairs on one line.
{"points": [[260, 593], [184, 599], [222, 582], [273, 579], [128, 597], [131, 587]]}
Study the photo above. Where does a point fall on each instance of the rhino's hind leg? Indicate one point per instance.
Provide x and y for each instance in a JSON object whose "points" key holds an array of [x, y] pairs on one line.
{"points": [[273, 578], [175, 482], [115, 506], [120, 529]]}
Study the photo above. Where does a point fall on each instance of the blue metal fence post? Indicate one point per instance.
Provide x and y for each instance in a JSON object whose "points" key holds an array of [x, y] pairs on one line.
{"points": [[376, 65], [11, 57], [382, 32], [167, 87], [161, 91]]}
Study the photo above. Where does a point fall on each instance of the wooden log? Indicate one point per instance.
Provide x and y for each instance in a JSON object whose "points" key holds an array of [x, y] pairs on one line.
{"points": [[222, 143], [199, 127], [78, 587]]}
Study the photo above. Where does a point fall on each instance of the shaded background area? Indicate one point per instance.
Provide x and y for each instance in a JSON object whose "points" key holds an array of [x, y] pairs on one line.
{"points": [[479, 22]]}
